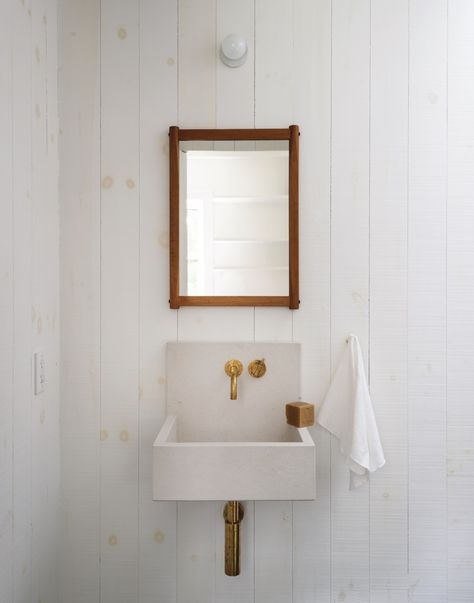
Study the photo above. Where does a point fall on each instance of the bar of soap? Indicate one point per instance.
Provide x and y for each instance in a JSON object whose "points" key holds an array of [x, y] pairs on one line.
{"points": [[300, 414]]}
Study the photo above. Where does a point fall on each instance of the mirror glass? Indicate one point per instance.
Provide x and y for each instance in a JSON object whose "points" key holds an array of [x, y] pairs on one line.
{"points": [[233, 234]]}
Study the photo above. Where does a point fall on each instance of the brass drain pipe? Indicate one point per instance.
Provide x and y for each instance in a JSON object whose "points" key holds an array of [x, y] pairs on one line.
{"points": [[233, 515]]}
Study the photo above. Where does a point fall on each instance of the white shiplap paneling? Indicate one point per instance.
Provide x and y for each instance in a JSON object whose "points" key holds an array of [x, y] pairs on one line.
{"points": [[367, 83], [197, 59], [119, 318], [6, 306], [312, 111], [22, 285], [388, 296], [44, 295], [29, 238], [235, 87], [158, 70], [460, 318], [427, 302], [79, 187], [349, 271]]}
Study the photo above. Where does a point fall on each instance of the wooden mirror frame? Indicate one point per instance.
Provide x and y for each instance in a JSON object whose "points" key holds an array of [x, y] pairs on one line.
{"points": [[292, 135]]}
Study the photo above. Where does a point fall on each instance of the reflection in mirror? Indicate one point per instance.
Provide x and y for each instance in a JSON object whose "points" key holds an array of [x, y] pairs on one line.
{"points": [[234, 218]]}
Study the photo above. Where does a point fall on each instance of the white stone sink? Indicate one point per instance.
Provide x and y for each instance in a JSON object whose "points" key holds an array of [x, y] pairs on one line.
{"points": [[214, 448]]}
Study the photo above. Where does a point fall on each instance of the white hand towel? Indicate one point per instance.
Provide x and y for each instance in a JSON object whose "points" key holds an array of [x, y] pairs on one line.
{"points": [[347, 413]]}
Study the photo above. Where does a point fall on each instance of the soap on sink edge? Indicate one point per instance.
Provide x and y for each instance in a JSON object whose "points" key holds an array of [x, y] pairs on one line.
{"points": [[300, 414]]}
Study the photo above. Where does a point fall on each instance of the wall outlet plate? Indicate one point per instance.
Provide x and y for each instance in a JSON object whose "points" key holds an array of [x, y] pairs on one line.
{"points": [[39, 375]]}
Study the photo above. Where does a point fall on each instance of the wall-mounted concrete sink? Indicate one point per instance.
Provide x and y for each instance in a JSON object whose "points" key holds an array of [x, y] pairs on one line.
{"points": [[274, 470], [214, 448]]}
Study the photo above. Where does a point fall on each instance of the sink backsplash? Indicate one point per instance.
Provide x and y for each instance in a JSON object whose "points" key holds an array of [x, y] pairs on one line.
{"points": [[198, 390]]}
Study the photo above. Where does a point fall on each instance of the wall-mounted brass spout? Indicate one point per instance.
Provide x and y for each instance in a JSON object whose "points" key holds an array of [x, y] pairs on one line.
{"points": [[233, 515], [233, 368]]}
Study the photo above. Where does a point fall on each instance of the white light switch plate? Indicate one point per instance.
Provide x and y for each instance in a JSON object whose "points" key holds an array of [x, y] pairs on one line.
{"points": [[39, 372]]}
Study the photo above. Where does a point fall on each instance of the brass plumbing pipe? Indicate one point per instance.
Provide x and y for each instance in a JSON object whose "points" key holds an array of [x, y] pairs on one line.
{"points": [[233, 515]]}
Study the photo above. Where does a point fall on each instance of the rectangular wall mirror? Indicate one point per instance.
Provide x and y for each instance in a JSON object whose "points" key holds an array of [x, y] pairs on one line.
{"points": [[234, 217]]}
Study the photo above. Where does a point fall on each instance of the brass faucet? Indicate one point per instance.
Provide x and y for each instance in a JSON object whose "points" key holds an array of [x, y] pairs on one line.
{"points": [[233, 368]]}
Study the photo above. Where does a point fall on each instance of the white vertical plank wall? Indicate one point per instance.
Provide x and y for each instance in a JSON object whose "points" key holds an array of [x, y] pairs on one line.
{"points": [[48, 412], [196, 63], [388, 295], [79, 188], [22, 315], [312, 111], [235, 100], [158, 72], [460, 318], [29, 303], [45, 298], [427, 508], [119, 286], [367, 83], [6, 305], [349, 272]]}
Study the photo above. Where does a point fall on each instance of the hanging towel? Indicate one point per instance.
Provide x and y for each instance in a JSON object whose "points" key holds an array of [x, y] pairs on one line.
{"points": [[348, 414]]}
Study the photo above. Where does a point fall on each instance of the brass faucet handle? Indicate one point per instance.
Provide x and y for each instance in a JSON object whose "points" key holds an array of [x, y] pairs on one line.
{"points": [[233, 368], [257, 368]]}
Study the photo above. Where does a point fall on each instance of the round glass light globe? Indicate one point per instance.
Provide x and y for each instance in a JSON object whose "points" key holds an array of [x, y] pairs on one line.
{"points": [[233, 50]]}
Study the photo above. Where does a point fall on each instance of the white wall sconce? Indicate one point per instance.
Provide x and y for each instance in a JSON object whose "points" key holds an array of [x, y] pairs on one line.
{"points": [[233, 50]]}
